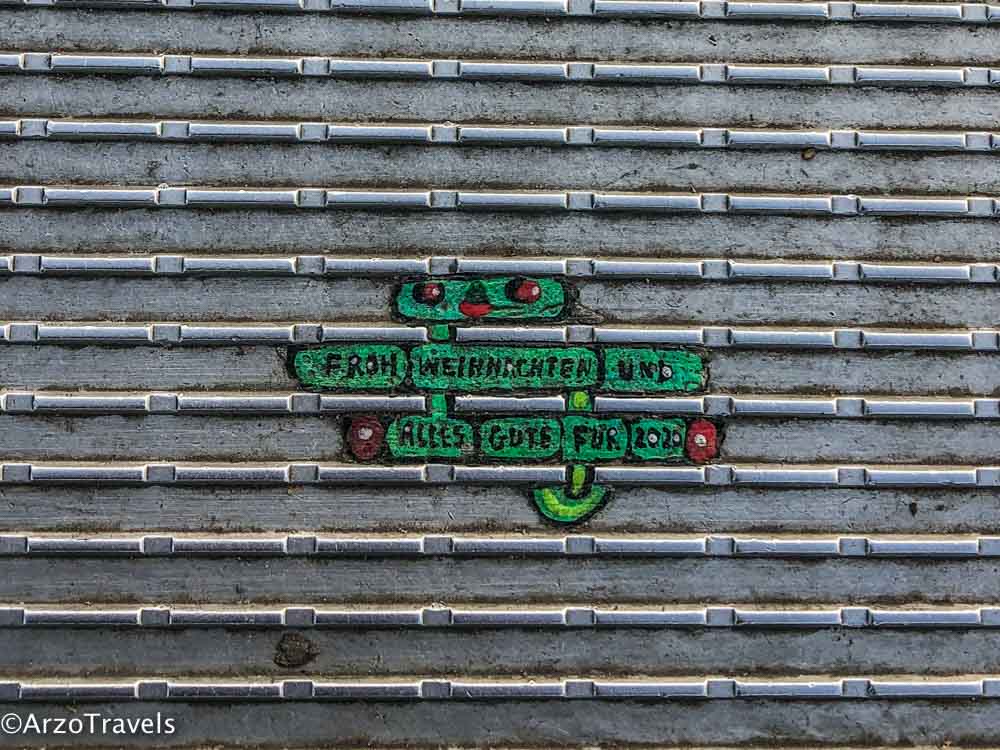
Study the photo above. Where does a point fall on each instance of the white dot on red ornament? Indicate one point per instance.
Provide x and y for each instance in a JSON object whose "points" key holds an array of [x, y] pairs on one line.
{"points": [[365, 433], [701, 441]]}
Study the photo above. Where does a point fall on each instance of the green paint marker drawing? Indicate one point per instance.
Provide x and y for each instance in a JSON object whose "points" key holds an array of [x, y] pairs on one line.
{"points": [[443, 370]]}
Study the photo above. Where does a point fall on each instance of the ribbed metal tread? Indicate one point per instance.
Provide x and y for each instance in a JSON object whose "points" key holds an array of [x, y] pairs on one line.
{"points": [[172, 333], [822, 688], [837, 10], [756, 618], [438, 545], [835, 205], [719, 405], [208, 131], [721, 474], [477, 70], [681, 269], [799, 196]]}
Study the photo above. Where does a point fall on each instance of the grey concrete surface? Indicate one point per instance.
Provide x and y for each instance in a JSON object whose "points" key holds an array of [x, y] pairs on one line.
{"points": [[497, 510], [548, 724], [65, 652], [271, 438], [477, 168], [68, 654], [513, 38], [626, 302], [497, 234]]}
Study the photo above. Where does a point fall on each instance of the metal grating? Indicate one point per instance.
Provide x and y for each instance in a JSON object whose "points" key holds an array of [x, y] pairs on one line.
{"points": [[790, 206]]}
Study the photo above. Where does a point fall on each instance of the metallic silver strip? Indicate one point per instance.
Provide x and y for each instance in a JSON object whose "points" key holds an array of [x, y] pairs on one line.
{"points": [[794, 271], [55, 264], [761, 138], [734, 9], [905, 140], [531, 71], [907, 273], [82, 402], [340, 68], [309, 198], [447, 134], [708, 73], [652, 475], [511, 265], [268, 66], [920, 477], [641, 73], [100, 130], [225, 131], [514, 618], [231, 474], [794, 690], [98, 197], [374, 266], [511, 135], [916, 340], [780, 407], [647, 137], [905, 618], [231, 197], [919, 409], [512, 201], [908, 11], [714, 337], [348, 404], [509, 474], [270, 266], [926, 689], [780, 204], [379, 133], [510, 405], [703, 270], [786, 547], [750, 337], [379, 546], [397, 334], [648, 269], [83, 332], [234, 404], [232, 334], [640, 202], [89, 63], [649, 405], [936, 548], [646, 689], [648, 8], [797, 10], [369, 199], [79, 618], [752, 475], [490, 334], [777, 74], [73, 546], [514, 7], [796, 477], [870, 74]]}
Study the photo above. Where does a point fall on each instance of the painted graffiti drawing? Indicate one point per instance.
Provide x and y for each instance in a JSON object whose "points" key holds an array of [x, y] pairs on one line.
{"points": [[444, 369]]}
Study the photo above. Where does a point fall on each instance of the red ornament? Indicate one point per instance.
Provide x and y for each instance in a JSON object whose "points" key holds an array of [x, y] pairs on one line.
{"points": [[526, 291], [702, 441], [365, 437], [429, 294]]}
